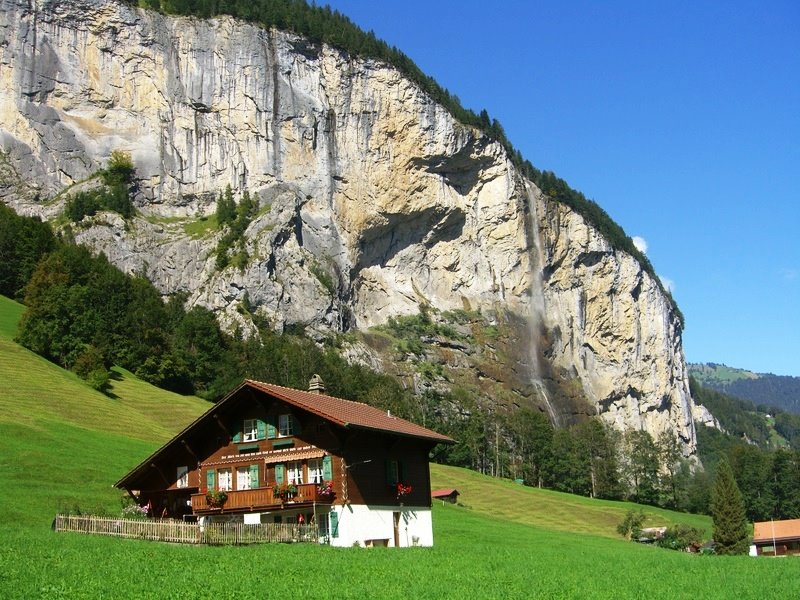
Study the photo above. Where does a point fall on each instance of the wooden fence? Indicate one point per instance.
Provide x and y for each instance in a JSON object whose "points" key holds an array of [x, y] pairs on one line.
{"points": [[189, 533]]}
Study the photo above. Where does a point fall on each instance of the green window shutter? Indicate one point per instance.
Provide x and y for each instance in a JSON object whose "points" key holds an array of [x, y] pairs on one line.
{"points": [[211, 479], [327, 468], [334, 523], [279, 470], [392, 472], [262, 429], [297, 429], [237, 437], [272, 429], [254, 482]]}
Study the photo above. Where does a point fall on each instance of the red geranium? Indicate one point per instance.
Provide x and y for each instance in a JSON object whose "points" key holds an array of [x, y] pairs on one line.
{"points": [[403, 490]]}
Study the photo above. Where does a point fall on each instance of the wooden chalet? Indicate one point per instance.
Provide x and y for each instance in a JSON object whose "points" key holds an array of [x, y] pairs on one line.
{"points": [[776, 538], [270, 454]]}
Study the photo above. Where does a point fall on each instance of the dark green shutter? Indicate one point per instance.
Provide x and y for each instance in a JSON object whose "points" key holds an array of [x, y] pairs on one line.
{"points": [[237, 437], [297, 429], [327, 468], [392, 472], [279, 469], [254, 482], [262, 429], [272, 430], [210, 479], [333, 523]]}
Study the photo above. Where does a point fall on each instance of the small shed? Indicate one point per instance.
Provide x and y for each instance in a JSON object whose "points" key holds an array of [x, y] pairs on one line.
{"points": [[446, 495], [777, 538]]}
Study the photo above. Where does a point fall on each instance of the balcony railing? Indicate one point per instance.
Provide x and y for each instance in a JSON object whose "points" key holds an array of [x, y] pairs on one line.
{"points": [[260, 498]]}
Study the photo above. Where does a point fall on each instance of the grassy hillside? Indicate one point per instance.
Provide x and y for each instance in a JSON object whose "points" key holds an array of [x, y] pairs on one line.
{"points": [[62, 444], [708, 373], [34, 392], [552, 510]]}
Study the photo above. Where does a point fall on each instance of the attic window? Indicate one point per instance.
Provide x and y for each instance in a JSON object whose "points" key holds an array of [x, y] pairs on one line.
{"points": [[182, 477], [250, 430], [285, 425]]}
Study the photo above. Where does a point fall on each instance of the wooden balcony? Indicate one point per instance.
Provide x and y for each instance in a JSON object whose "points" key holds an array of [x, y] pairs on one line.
{"points": [[260, 499]]}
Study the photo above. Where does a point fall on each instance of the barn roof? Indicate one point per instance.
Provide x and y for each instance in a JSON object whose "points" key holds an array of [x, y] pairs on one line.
{"points": [[344, 413], [780, 531]]}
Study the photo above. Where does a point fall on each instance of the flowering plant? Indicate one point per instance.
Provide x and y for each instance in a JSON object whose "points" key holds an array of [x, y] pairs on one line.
{"points": [[284, 490], [325, 488], [134, 511], [216, 498], [403, 489]]}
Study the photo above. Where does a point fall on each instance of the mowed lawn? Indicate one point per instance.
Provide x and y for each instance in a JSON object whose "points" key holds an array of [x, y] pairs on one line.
{"points": [[62, 445]]}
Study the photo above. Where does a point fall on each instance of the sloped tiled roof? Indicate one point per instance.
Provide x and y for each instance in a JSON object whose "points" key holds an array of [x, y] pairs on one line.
{"points": [[767, 531], [444, 493], [347, 413]]}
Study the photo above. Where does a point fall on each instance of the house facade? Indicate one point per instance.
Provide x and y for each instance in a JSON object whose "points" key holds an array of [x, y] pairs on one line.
{"points": [[271, 454]]}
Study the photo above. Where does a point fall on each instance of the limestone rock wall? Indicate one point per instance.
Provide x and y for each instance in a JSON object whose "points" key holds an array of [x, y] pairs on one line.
{"points": [[610, 324], [373, 198]]}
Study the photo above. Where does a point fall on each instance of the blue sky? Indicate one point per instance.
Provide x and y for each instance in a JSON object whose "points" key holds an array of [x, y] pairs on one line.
{"points": [[681, 119]]}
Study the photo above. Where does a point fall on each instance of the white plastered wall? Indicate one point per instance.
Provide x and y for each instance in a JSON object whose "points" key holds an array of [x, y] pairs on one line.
{"points": [[359, 524]]}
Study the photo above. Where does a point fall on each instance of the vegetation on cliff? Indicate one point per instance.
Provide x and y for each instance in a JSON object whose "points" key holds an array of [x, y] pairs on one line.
{"points": [[113, 194]]}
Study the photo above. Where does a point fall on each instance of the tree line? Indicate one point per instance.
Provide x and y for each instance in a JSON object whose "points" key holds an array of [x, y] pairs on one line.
{"points": [[589, 458]]}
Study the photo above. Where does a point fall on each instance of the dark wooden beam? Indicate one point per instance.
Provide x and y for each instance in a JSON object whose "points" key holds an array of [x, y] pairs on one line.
{"points": [[160, 472], [222, 425], [189, 449]]}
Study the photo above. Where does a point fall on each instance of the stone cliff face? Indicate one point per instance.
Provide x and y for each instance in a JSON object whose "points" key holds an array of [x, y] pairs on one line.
{"points": [[374, 200]]}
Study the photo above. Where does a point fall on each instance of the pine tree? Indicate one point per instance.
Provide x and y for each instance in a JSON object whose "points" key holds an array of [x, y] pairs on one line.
{"points": [[731, 531]]}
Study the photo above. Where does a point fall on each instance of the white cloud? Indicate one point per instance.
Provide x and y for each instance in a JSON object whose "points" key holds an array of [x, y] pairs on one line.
{"points": [[668, 284], [640, 243]]}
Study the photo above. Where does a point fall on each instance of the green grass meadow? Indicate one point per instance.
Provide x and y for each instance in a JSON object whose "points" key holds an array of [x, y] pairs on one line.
{"points": [[62, 444]]}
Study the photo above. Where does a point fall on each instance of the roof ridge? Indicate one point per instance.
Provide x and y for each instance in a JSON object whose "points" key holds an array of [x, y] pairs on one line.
{"points": [[313, 394], [349, 412]]}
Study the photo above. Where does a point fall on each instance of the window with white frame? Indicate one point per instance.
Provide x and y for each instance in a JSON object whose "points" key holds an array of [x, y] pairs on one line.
{"points": [[224, 479], [295, 472], [285, 425], [315, 470], [243, 478], [250, 430], [323, 525], [183, 477]]}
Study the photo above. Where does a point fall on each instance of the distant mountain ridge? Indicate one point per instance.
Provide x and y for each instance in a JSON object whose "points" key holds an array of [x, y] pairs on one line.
{"points": [[781, 391]]}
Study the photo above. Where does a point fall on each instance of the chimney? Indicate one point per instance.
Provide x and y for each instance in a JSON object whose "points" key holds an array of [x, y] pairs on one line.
{"points": [[316, 385]]}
